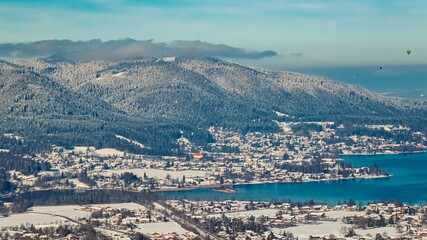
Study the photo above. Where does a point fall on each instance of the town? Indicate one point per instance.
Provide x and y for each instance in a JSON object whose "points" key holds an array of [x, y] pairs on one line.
{"points": [[301, 152], [182, 219]]}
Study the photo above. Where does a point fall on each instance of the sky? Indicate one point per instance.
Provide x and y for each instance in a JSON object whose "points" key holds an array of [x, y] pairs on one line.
{"points": [[280, 34]]}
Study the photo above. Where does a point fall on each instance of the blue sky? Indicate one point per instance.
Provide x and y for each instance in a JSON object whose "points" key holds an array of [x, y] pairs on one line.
{"points": [[305, 34]]}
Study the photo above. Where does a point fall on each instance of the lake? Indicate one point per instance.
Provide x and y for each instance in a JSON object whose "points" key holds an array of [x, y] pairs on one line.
{"points": [[408, 183]]}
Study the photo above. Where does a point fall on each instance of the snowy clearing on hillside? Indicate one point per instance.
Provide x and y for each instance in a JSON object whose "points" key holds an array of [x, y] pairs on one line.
{"points": [[168, 59], [286, 127], [157, 173], [130, 141], [280, 114], [183, 140], [12, 136], [120, 74], [163, 228]]}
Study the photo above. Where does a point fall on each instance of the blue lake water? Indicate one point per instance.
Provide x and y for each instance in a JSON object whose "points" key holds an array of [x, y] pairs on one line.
{"points": [[408, 184]]}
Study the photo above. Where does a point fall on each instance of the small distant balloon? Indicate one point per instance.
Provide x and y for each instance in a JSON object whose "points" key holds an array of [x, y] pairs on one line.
{"points": [[381, 68], [422, 95], [408, 52]]}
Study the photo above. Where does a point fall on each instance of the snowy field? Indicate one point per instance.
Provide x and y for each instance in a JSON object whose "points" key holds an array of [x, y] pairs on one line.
{"points": [[71, 211], [75, 211], [130, 206], [304, 231], [164, 227], [158, 173], [78, 183], [109, 152], [391, 231], [326, 228], [341, 213], [16, 220], [255, 213], [103, 152], [34, 217], [83, 149]]}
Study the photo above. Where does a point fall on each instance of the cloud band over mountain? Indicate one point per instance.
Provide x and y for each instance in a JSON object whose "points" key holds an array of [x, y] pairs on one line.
{"points": [[124, 48]]}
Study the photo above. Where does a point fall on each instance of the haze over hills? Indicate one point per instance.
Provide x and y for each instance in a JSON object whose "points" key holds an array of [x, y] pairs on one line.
{"points": [[154, 100], [394, 80]]}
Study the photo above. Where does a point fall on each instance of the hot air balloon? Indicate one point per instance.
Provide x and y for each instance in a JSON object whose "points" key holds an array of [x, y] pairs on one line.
{"points": [[408, 52], [381, 68]]}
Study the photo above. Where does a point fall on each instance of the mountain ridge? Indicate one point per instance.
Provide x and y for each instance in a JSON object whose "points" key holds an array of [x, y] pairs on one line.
{"points": [[148, 97]]}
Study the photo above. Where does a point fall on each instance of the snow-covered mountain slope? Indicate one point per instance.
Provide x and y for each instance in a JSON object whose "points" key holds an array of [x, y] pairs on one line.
{"points": [[136, 96]]}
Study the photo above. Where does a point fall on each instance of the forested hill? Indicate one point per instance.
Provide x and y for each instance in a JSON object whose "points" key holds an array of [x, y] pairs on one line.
{"points": [[45, 112], [154, 100]]}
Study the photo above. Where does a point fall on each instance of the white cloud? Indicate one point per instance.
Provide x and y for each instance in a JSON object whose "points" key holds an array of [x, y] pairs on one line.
{"points": [[125, 48]]}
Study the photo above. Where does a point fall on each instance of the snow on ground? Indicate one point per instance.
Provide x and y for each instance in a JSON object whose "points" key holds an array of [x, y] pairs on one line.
{"points": [[29, 218], [120, 74], [12, 136], [391, 231], [74, 211], [286, 127], [130, 206], [130, 141], [168, 59], [83, 149], [341, 213], [158, 173], [109, 152], [322, 229], [71, 211], [164, 227], [78, 184], [255, 213], [37, 215], [183, 140], [279, 114], [99, 152], [388, 128]]}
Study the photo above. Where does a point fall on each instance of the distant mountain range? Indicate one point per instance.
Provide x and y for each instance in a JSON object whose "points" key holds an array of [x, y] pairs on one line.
{"points": [[155, 100]]}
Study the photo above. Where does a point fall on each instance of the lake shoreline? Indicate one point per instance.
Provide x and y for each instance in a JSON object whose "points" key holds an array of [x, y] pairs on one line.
{"points": [[213, 186], [407, 182], [382, 153]]}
